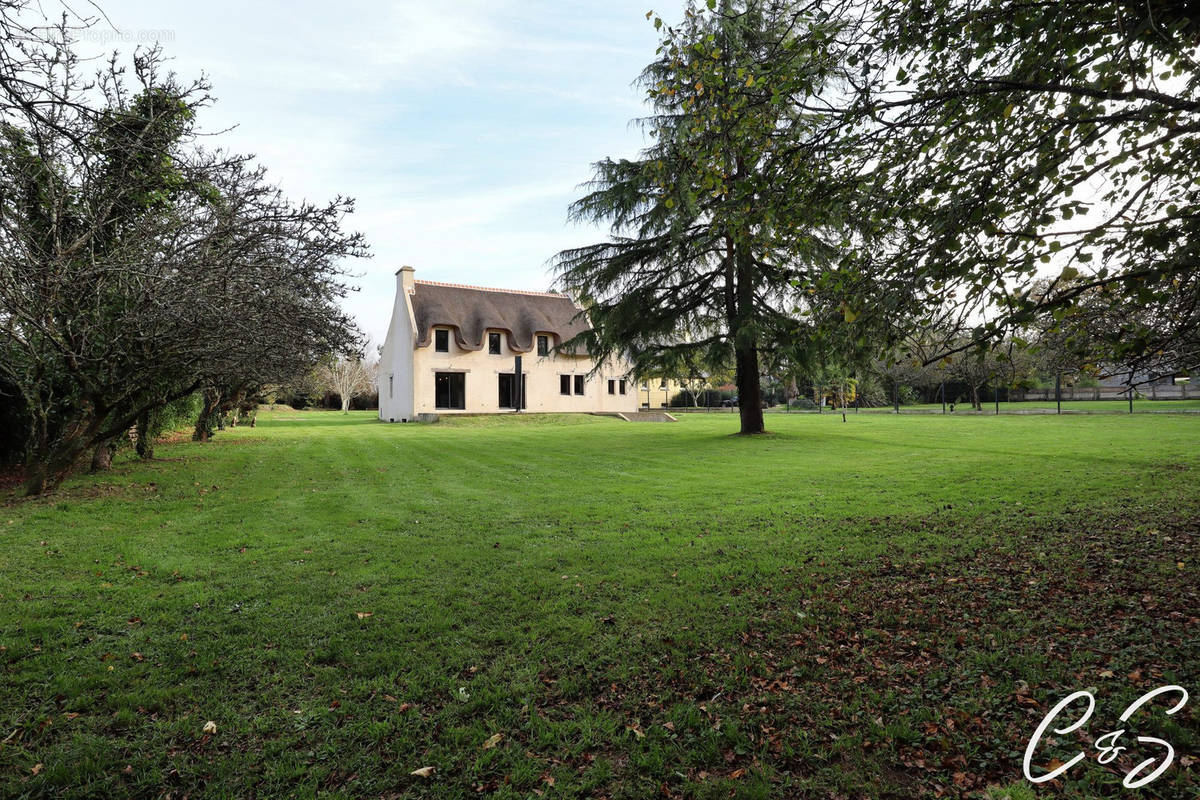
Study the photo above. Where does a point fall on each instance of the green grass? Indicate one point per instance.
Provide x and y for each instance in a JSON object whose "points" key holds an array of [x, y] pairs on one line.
{"points": [[884, 607], [1076, 406]]}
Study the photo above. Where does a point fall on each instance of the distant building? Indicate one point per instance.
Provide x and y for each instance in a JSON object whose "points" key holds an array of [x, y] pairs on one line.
{"points": [[656, 392], [452, 349]]}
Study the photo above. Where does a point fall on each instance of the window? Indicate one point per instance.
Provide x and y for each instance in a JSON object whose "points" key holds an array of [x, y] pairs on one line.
{"points": [[612, 386], [622, 386], [564, 384], [645, 386], [578, 384], [508, 391], [390, 386], [543, 345], [450, 390], [494, 343], [662, 384], [441, 340]]}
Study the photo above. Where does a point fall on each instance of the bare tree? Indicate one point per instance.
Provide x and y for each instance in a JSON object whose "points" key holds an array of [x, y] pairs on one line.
{"points": [[346, 377]]}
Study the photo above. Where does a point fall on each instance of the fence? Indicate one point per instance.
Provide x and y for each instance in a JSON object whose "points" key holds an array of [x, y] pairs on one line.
{"points": [[1151, 391]]}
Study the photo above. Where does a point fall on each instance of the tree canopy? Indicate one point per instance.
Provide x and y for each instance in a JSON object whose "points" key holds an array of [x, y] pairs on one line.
{"points": [[707, 254], [1001, 142], [137, 267]]}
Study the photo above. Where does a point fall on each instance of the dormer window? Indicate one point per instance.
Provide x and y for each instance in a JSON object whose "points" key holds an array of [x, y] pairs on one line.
{"points": [[441, 340], [494, 343], [543, 345]]}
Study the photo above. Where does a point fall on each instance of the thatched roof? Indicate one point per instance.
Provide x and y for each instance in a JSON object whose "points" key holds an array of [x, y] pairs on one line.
{"points": [[471, 311]]}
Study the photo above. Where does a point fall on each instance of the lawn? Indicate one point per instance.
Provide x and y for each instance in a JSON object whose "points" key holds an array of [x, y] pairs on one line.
{"points": [[1038, 406], [582, 607]]}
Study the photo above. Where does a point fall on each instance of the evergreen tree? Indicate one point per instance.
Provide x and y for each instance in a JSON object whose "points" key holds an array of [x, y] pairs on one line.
{"points": [[717, 228]]}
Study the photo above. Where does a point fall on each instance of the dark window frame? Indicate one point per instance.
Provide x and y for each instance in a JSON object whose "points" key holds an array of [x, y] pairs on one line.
{"points": [[580, 385], [564, 385], [543, 345], [495, 343], [612, 386], [452, 388], [508, 403], [623, 386], [441, 340]]}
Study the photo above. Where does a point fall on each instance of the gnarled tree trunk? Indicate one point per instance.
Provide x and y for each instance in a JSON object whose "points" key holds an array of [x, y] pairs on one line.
{"points": [[102, 456], [50, 462], [208, 410], [145, 442]]}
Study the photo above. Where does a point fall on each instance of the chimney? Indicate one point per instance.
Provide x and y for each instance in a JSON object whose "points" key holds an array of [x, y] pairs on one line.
{"points": [[405, 279]]}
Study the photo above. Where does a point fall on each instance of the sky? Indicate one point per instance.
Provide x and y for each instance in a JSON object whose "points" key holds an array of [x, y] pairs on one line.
{"points": [[462, 128]]}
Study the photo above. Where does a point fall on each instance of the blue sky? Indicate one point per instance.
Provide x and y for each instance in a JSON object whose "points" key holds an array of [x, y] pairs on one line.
{"points": [[462, 128]]}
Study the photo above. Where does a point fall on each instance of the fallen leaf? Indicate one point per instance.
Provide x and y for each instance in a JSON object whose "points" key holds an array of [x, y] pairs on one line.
{"points": [[423, 772], [210, 727], [493, 740], [364, 614], [36, 768]]}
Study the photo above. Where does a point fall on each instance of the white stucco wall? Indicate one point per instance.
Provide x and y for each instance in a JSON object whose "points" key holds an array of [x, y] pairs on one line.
{"points": [[395, 375], [542, 383]]}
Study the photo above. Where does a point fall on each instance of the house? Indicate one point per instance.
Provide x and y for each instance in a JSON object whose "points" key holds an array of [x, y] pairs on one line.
{"points": [[453, 349], [656, 391]]}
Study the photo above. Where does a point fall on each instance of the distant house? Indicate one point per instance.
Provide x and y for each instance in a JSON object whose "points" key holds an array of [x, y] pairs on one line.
{"points": [[453, 349]]}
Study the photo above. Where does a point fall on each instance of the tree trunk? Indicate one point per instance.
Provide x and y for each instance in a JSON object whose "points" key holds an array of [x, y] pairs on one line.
{"points": [[975, 404], [145, 443], [749, 389], [102, 456], [345, 404], [745, 344], [204, 423], [46, 468]]}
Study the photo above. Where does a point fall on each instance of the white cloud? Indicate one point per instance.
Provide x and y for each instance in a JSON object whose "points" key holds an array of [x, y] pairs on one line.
{"points": [[462, 127]]}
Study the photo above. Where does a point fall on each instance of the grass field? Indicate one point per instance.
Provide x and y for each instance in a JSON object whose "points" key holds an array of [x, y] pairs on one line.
{"points": [[583, 607]]}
